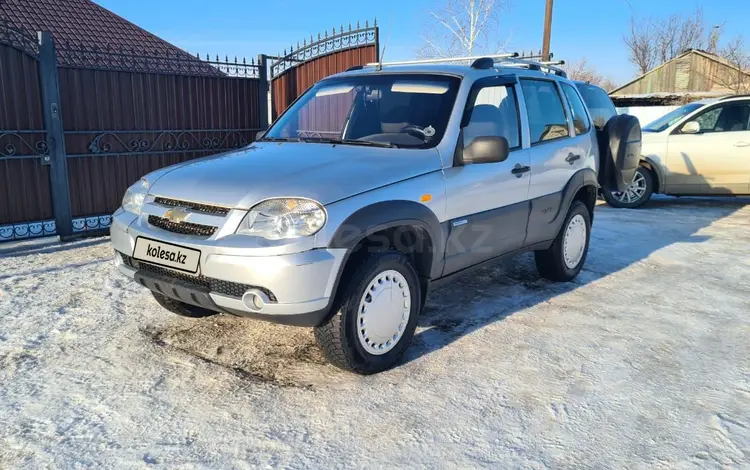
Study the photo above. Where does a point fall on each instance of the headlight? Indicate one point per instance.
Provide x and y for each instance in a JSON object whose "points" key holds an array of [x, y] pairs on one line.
{"points": [[134, 197], [276, 219]]}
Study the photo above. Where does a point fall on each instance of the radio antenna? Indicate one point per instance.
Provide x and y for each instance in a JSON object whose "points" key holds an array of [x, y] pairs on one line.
{"points": [[385, 44]]}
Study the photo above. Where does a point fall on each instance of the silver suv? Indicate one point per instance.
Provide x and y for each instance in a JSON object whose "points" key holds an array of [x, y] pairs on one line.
{"points": [[374, 186]]}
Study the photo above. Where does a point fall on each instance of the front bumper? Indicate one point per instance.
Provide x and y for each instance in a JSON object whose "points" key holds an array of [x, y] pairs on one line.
{"points": [[299, 287]]}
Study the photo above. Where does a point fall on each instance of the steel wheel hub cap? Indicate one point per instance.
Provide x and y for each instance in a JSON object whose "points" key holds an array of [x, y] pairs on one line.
{"points": [[575, 241], [635, 191], [383, 312]]}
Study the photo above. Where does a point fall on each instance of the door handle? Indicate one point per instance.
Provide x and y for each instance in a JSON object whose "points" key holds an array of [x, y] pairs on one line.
{"points": [[572, 158], [742, 144], [519, 170]]}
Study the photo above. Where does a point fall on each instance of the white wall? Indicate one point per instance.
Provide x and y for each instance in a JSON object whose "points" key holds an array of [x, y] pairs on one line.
{"points": [[646, 114]]}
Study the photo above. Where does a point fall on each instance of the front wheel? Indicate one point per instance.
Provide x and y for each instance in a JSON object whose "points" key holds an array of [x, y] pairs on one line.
{"points": [[636, 195], [376, 315], [563, 260]]}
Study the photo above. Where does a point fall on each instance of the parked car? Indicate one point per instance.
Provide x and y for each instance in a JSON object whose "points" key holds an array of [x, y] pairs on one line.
{"points": [[374, 186], [701, 148]]}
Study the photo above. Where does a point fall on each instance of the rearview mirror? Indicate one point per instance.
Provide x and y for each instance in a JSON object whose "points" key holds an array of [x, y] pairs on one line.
{"points": [[260, 134], [691, 127], [486, 149]]}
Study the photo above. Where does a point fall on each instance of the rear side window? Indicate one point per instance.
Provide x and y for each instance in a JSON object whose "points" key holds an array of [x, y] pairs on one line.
{"points": [[545, 109], [495, 113], [600, 105], [580, 118]]}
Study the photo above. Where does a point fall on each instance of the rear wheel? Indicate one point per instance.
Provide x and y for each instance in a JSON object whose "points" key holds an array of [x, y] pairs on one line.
{"points": [[636, 195], [181, 308], [563, 260], [376, 315]]}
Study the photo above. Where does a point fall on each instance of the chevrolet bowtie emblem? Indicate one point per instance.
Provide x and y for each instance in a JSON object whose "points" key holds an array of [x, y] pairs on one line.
{"points": [[177, 215]]}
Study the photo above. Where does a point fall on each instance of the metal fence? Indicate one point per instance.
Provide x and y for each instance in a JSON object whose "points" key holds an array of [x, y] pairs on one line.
{"points": [[79, 124], [295, 71]]}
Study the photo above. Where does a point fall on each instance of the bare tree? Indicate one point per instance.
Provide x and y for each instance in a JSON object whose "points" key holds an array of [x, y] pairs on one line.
{"points": [[464, 27], [651, 42], [583, 71], [735, 77], [641, 47]]}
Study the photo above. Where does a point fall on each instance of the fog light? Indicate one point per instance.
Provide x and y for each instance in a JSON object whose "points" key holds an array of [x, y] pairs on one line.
{"points": [[254, 300]]}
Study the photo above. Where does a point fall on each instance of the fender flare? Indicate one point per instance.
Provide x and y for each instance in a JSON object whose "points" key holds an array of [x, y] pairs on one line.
{"points": [[388, 214], [581, 179]]}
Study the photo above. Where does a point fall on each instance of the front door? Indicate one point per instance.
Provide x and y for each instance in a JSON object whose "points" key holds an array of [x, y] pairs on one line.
{"points": [[716, 160], [488, 205]]}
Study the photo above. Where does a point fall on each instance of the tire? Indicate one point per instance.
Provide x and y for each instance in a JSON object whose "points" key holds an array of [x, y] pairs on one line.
{"points": [[637, 194], [182, 309], [344, 341], [551, 263]]}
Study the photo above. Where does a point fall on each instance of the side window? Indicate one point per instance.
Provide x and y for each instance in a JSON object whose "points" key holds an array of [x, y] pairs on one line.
{"points": [[544, 106], [495, 113], [709, 119], [580, 118], [729, 118]]}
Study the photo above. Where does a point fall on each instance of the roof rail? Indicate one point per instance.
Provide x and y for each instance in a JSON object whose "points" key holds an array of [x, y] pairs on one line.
{"points": [[444, 60], [550, 66], [483, 62], [734, 96]]}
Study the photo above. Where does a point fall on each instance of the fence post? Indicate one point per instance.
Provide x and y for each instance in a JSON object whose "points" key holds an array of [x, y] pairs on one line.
{"points": [[263, 98], [55, 137]]}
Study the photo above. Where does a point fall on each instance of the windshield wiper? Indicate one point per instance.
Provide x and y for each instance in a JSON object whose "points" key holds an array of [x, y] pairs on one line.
{"points": [[366, 143], [278, 139]]}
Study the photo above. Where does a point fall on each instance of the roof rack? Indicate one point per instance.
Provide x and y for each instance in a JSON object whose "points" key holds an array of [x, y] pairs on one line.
{"points": [[444, 60], [483, 62], [549, 66]]}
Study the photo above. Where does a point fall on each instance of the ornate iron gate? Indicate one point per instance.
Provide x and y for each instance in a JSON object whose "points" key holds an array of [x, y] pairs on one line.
{"points": [[25, 197], [80, 124], [295, 71]]}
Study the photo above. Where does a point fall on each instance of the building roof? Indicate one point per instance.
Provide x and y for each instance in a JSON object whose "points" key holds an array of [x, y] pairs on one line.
{"points": [[712, 57], [84, 24]]}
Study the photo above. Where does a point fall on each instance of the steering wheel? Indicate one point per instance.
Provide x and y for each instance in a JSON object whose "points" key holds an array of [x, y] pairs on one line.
{"points": [[413, 129]]}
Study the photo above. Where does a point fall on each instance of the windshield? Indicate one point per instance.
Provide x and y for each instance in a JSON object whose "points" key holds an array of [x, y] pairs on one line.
{"points": [[390, 110], [671, 118]]}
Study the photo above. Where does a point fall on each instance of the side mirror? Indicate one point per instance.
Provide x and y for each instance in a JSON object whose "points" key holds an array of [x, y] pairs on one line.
{"points": [[486, 149], [260, 134], [691, 127]]}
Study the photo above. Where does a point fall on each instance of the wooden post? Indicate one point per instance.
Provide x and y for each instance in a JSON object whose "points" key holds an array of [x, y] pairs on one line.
{"points": [[547, 31], [55, 137]]}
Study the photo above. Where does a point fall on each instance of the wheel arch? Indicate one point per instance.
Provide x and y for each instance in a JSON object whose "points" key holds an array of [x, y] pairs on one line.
{"points": [[657, 172], [390, 221]]}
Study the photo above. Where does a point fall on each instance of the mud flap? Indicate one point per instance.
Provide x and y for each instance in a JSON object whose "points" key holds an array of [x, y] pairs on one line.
{"points": [[620, 152]]}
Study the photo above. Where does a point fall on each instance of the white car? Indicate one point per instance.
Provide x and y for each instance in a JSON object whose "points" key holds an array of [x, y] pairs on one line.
{"points": [[702, 148]]}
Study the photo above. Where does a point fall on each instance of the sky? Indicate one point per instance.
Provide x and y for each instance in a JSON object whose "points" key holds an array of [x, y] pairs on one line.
{"points": [[590, 29]]}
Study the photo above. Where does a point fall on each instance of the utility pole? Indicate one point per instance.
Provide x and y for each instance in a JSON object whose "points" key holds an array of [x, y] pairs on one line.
{"points": [[547, 30]]}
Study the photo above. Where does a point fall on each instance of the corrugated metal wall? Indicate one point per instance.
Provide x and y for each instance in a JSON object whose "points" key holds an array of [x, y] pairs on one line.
{"points": [[121, 125]]}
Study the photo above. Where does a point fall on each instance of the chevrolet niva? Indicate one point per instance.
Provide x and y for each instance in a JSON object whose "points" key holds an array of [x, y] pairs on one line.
{"points": [[374, 186]]}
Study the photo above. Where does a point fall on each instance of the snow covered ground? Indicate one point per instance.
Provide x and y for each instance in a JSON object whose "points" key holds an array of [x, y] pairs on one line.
{"points": [[643, 362]]}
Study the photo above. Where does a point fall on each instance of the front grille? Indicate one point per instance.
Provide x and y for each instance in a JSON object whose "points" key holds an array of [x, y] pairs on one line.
{"points": [[232, 289], [193, 206], [184, 228]]}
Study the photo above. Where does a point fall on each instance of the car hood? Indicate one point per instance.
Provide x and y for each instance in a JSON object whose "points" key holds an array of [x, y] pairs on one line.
{"points": [[322, 172]]}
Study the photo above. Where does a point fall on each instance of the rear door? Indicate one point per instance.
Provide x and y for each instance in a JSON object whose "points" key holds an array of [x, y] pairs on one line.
{"points": [[488, 203], [717, 159], [561, 144]]}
